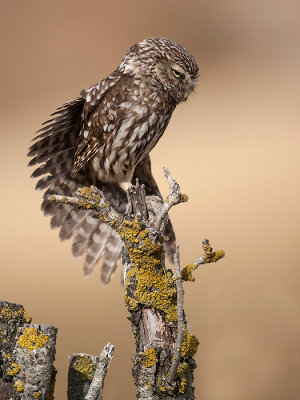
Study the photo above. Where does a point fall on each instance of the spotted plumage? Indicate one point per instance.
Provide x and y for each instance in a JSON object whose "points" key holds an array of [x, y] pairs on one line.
{"points": [[104, 138]]}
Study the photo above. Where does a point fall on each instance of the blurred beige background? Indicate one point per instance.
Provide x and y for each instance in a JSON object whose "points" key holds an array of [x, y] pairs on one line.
{"points": [[234, 148]]}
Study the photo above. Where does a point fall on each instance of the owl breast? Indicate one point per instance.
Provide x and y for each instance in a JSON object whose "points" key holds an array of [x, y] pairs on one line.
{"points": [[135, 120]]}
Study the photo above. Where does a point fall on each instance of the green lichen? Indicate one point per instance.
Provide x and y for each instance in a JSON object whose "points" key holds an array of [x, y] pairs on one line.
{"points": [[86, 367], [32, 339], [189, 345], [19, 386], [148, 358], [13, 369], [147, 283]]}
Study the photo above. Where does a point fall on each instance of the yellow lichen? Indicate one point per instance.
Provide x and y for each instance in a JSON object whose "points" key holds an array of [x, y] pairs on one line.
{"points": [[27, 318], [85, 366], [149, 385], [32, 339], [10, 313], [13, 369], [209, 256], [183, 385], [152, 285], [19, 386], [5, 311], [182, 198], [182, 375], [189, 345], [142, 251], [36, 395], [148, 357], [216, 255], [186, 273], [153, 288]]}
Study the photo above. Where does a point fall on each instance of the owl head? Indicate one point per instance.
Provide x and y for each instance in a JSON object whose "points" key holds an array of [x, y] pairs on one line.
{"points": [[163, 64]]}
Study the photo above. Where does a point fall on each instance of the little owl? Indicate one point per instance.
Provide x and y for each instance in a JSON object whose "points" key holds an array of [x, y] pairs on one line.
{"points": [[104, 137]]}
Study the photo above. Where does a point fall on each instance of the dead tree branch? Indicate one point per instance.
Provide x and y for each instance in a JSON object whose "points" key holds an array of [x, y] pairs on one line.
{"points": [[163, 361], [86, 374], [175, 197], [180, 320], [95, 390], [27, 353], [209, 256]]}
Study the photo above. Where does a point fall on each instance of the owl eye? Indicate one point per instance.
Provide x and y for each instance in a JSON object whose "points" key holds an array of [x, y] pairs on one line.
{"points": [[177, 74]]}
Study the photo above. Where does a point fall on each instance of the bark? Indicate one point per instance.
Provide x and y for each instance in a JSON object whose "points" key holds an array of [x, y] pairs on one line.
{"points": [[81, 373], [180, 320], [34, 353], [95, 390], [87, 373], [27, 354]]}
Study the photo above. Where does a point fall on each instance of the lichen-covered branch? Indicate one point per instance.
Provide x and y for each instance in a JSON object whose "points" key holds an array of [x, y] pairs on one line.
{"points": [[95, 390], [91, 198], [163, 361], [86, 374], [33, 357], [209, 256], [27, 354], [180, 320]]}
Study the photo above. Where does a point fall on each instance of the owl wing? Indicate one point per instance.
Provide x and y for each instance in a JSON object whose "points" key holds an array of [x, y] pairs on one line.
{"points": [[91, 137], [54, 148]]}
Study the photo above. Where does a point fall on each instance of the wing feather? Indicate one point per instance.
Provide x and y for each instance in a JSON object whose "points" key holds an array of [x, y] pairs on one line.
{"points": [[54, 149]]}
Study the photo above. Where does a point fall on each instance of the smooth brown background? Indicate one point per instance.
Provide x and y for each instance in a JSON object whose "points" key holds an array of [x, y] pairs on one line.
{"points": [[234, 148]]}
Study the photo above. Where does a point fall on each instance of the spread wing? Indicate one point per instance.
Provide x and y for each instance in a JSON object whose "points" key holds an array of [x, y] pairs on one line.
{"points": [[54, 148]]}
